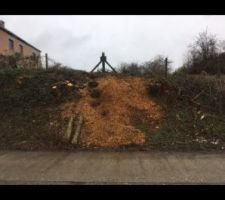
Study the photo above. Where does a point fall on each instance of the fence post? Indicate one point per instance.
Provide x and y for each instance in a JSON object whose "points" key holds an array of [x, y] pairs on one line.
{"points": [[46, 60], [103, 59], [218, 66], [166, 67]]}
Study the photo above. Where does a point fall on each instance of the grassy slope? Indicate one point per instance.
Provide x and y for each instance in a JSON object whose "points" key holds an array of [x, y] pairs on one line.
{"points": [[30, 108], [30, 111], [195, 119]]}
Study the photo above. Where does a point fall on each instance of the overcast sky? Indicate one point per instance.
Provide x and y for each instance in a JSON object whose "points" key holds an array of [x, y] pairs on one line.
{"points": [[78, 41]]}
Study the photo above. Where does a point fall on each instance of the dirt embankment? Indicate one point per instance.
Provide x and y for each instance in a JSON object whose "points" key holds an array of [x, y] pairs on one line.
{"points": [[119, 112], [30, 102]]}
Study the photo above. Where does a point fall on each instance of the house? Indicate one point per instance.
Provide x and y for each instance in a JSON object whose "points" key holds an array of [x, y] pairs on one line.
{"points": [[10, 44]]}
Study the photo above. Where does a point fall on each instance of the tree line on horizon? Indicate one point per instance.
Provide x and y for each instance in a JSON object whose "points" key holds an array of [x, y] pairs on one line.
{"points": [[205, 55]]}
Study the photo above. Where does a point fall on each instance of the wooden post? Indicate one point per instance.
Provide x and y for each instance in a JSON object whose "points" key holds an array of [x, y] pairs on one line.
{"points": [[103, 59], [218, 67], [46, 60], [96, 66], [77, 131], [69, 130], [219, 82], [103, 66], [166, 67], [110, 66]]}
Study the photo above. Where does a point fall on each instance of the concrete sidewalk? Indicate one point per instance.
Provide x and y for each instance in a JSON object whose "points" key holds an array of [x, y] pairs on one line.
{"points": [[111, 168]]}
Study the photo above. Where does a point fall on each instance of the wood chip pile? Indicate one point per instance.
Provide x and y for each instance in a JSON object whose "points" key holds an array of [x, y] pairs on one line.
{"points": [[107, 117]]}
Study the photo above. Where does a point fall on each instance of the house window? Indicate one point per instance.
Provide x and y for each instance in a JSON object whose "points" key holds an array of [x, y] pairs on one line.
{"points": [[21, 49], [11, 44]]}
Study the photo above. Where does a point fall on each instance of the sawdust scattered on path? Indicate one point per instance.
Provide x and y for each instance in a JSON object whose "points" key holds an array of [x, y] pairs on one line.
{"points": [[107, 119]]}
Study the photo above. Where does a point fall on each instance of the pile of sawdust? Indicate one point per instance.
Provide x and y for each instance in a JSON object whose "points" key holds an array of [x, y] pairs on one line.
{"points": [[108, 124], [107, 119]]}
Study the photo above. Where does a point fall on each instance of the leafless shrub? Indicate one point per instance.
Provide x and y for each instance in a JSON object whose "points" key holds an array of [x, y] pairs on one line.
{"points": [[206, 54], [154, 67], [18, 61]]}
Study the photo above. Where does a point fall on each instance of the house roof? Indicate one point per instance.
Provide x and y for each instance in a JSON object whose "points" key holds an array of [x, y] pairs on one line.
{"points": [[17, 37]]}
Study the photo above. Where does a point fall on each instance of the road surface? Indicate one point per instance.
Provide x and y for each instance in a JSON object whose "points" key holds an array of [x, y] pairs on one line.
{"points": [[17, 167]]}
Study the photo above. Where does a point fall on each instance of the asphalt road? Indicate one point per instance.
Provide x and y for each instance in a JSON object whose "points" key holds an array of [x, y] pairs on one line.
{"points": [[18, 167]]}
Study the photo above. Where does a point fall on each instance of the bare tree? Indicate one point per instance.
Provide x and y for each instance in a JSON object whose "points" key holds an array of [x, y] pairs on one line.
{"points": [[203, 54], [156, 66], [130, 68]]}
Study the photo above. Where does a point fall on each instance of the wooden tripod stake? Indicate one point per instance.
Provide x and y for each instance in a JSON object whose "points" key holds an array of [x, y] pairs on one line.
{"points": [[103, 61]]}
